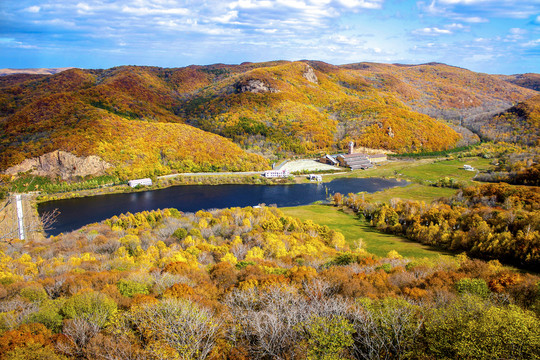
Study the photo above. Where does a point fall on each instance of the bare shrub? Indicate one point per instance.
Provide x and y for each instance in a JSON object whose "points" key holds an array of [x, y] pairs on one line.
{"points": [[78, 333], [268, 320], [177, 323]]}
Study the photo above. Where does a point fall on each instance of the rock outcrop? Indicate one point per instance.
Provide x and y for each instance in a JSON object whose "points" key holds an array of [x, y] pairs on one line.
{"points": [[61, 164], [390, 132], [255, 86], [309, 74]]}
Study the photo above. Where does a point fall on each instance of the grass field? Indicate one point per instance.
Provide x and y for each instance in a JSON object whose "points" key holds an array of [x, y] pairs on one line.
{"points": [[445, 168], [356, 230], [413, 191]]}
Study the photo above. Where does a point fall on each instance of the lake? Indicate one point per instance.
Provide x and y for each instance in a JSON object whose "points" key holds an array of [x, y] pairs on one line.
{"points": [[75, 213]]}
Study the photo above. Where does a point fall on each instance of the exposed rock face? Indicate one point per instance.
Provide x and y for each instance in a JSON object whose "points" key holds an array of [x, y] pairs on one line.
{"points": [[390, 132], [61, 164], [309, 74], [255, 86]]}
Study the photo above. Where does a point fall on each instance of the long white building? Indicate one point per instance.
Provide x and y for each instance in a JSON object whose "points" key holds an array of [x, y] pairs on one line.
{"points": [[135, 183], [276, 173]]}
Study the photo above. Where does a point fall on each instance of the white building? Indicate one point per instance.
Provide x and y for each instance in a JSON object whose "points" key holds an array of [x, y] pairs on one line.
{"points": [[468, 167], [137, 182], [276, 173], [314, 177]]}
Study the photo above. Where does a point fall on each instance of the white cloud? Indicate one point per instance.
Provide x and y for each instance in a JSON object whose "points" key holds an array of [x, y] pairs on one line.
{"points": [[346, 40], [142, 11], [33, 9], [56, 22], [267, 31], [366, 4], [515, 34], [479, 11], [432, 31], [226, 18], [472, 19], [320, 2], [12, 43], [455, 26], [532, 43], [517, 31], [84, 8], [481, 57], [251, 4]]}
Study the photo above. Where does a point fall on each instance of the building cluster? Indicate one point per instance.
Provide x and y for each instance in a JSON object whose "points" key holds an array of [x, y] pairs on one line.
{"points": [[354, 160]]}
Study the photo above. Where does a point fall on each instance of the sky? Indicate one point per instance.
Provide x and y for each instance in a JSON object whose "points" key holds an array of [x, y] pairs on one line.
{"points": [[491, 36]]}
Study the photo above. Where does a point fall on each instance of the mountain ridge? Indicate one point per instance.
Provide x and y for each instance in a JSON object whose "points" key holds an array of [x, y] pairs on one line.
{"points": [[271, 109]]}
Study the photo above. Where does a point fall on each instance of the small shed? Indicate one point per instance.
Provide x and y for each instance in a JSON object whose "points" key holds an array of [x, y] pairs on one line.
{"points": [[468, 167], [142, 182]]}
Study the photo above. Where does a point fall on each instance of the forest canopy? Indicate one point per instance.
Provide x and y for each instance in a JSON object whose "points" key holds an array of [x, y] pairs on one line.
{"points": [[245, 283]]}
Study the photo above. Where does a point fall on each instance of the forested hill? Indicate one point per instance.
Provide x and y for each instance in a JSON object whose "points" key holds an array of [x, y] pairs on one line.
{"points": [[529, 80], [519, 124], [149, 120]]}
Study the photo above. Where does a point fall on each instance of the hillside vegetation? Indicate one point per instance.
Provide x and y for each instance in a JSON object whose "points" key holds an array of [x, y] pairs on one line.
{"points": [[269, 109], [529, 80], [519, 124], [246, 283]]}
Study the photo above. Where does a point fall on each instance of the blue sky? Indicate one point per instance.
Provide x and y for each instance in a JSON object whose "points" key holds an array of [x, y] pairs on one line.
{"points": [[492, 36]]}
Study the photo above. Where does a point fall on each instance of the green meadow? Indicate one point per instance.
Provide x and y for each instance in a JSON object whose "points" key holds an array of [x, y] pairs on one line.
{"points": [[425, 193], [356, 230]]}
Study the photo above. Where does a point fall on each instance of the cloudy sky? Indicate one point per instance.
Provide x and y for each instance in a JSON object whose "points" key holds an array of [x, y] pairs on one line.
{"points": [[493, 36]]}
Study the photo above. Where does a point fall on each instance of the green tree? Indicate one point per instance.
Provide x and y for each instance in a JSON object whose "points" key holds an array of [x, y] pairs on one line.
{"points": [[91, 305], [473, 286], [131, 288], [327, 338]]}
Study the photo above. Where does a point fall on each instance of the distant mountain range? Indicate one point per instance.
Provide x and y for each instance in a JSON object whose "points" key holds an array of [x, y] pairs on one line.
{"points": [[39, 71], [149, 121]]}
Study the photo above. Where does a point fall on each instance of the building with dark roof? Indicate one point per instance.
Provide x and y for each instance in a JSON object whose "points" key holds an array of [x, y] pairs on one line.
{"points": [[354, 161], [329, 159]]}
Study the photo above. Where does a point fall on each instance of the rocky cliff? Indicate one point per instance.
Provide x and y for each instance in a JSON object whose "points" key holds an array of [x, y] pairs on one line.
{"points": [[61, 164], [255, 86]]}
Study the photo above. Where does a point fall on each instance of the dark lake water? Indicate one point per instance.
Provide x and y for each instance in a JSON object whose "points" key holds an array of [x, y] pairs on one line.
{"points": [[75, 213]]}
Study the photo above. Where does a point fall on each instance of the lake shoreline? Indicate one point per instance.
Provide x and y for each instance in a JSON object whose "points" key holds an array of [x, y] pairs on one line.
{"points": [[207, 180], [77, 212]]}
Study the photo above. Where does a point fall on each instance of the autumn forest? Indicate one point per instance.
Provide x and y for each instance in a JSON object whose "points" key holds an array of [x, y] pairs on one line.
{"points": [[263, 282]]}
